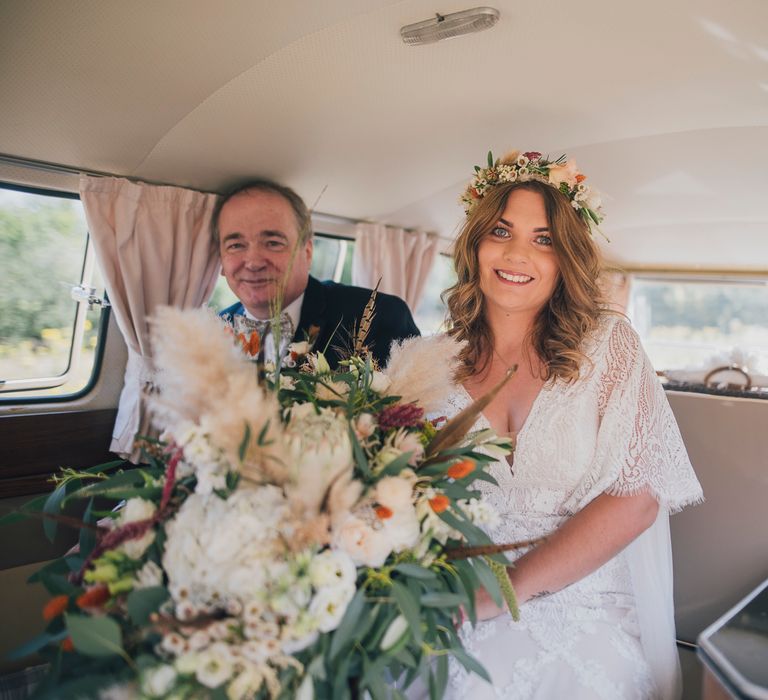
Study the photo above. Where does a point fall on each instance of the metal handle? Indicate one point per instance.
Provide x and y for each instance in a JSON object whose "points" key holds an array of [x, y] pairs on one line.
{"points": [[730, 368]]}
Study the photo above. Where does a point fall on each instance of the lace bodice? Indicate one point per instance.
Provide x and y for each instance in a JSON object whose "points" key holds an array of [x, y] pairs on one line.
{"points": [[610, 431]]}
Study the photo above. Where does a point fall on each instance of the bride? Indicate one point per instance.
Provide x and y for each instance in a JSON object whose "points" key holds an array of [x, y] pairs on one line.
{"points": [[599, 461]]}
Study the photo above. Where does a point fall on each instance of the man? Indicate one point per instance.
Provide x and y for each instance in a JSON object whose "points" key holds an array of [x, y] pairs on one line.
{"points": [[264, 234]]}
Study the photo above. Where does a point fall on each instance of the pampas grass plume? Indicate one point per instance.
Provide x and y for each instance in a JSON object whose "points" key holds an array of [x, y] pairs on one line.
{"points": [[203, 377], [422, 370]]}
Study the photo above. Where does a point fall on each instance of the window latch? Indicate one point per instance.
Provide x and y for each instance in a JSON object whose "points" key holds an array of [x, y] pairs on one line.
{"points": [[83, 294]]}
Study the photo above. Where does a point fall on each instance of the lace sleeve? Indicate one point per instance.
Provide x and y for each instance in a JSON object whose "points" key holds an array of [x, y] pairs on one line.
{"points": [[639, 446]]}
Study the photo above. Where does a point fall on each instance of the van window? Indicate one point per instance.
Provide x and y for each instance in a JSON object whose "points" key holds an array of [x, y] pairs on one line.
{"points": [[49, 332], [699, 322]]}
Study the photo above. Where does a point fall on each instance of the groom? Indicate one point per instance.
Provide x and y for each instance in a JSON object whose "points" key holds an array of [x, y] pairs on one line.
{"points": [[263, 231]]}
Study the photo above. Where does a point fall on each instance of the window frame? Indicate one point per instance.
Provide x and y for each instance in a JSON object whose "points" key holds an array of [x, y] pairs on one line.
{"points": [[78, 329]]}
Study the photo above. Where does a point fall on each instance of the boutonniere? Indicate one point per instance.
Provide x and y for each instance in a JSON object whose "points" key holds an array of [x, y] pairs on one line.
{"points": [[298, 351]]}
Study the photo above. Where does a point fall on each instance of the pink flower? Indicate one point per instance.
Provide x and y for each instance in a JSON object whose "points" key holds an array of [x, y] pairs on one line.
{"points": [[563, 173]]}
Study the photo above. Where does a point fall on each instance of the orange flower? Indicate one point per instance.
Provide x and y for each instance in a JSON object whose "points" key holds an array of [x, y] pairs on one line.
{"points": [[580, 178], [461, 469], [439, 503], [251, 344], [55, 606], [94, 597], [67, 644], [383, 512]]}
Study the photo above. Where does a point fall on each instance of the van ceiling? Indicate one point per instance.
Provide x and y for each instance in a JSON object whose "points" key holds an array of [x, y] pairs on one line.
{"points": [[664, 104]]}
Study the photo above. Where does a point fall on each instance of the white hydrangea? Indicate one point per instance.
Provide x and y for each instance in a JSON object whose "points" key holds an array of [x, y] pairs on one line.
{"points": [[219, 549]]}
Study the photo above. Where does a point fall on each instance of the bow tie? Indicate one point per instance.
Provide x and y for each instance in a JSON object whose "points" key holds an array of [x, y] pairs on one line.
{"points": [[243, 324]]}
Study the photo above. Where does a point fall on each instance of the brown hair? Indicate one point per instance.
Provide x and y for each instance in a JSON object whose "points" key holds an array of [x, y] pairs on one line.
{"points": [[300, 211], [571, 312]]}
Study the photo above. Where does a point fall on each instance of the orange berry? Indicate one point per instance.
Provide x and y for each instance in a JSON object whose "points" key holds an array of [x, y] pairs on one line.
{"points": [[461, 469], [94, 597], [55, 606], [383, 512], [439, 503], [580, 178]]}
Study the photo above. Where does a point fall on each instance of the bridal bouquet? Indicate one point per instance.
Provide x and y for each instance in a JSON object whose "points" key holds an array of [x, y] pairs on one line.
{"points": [[295, 533]]}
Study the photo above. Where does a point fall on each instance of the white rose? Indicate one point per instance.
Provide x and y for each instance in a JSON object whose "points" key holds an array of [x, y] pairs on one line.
{"points": [[332, 568], [364, 545], [329, 606], [394, 493], [158, 681]]}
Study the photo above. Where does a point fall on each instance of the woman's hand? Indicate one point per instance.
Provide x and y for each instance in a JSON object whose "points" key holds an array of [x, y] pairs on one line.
{"points": [[486, 607]]}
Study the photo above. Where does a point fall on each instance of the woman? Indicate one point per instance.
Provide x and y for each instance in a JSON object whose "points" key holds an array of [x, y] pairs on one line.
{"points": [[599, 461]]}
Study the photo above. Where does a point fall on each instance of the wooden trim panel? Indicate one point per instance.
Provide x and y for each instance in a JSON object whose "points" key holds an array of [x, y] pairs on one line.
{"points": [[35, 445]]}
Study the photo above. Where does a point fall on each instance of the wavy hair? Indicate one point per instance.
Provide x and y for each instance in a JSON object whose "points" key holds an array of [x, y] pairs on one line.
{"points": [[571, 312]]}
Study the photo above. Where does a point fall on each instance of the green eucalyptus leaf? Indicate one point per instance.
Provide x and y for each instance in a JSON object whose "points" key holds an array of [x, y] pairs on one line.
{"points": [[95, 636], [346, 631], [442, 599], [142, 602], [52, 506], [409, 606], [488, 580], [34, 645], [470, 663]]}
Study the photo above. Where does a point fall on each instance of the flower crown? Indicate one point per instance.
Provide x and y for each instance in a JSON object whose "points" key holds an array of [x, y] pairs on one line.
{"points": [[559, 173]]}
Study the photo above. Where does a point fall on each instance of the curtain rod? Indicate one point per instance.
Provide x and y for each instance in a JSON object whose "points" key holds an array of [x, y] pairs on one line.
{"points": [[59, 169]]}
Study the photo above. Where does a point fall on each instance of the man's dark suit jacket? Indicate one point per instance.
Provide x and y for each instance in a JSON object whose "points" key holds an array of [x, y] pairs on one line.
{"points": [[336, 309]]}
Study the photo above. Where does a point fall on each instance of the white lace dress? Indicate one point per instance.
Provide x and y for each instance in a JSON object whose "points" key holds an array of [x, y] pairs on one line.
{"points": [[611, 634]]}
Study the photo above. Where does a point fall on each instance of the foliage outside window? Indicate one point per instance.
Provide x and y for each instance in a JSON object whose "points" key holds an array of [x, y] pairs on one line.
{"points": [[699, 323], [47, 348]]}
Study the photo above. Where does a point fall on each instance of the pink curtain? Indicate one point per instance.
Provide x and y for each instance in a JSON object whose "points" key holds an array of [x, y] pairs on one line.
{"points": [[402, 259], [615, 286], [153, 245]]}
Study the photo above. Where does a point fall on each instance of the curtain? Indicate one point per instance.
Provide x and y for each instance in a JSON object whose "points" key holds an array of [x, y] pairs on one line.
{"points": [[153, 245], [402, 259], [615, 286]]}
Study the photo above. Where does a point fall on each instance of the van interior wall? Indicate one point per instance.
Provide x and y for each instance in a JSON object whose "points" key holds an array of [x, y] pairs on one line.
{"points": [[28, 456], [720, 548]]}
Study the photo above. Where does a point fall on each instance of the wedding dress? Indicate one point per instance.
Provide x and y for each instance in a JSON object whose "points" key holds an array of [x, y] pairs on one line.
{"points": [[611, 634]]}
